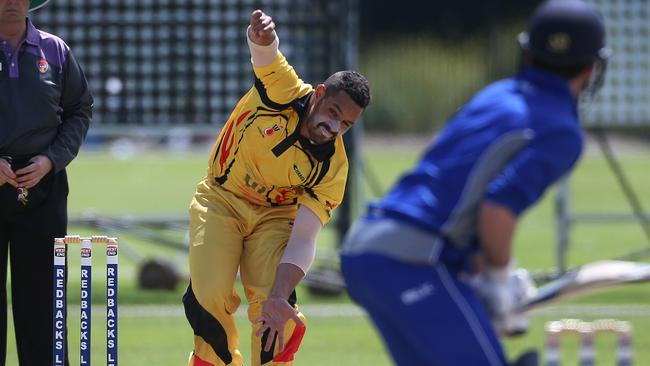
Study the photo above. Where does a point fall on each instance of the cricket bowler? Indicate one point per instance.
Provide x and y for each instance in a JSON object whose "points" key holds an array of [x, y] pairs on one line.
{"points": [[276, 173]]}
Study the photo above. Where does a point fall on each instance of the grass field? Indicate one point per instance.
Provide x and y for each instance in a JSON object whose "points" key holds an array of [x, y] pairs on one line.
{"points": [[160, 183]]}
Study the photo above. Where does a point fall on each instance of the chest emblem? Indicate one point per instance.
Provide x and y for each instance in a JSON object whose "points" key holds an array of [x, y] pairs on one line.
{"points": [[271, 130], [43, 66]]}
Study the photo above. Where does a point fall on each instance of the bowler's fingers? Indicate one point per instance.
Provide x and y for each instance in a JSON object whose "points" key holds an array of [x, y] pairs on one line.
{"points": [[265, 325], [268, 26], [261, 23], [260, 332], [280, 333], [255, 16], [256, 20]]}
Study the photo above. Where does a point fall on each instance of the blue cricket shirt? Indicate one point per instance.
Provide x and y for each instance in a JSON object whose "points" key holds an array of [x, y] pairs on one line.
{"points": [[466, 164]]}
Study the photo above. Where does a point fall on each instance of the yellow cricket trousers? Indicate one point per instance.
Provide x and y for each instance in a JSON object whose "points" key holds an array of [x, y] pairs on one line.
{"points": [[228, 233]]}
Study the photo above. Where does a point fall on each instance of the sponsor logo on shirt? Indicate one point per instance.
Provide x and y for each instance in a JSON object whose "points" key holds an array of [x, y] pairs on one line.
{"points": [[254, 185], [417, 294], [298, 172]]}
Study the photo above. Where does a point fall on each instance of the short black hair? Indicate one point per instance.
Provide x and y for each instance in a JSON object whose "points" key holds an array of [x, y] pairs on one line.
{"points": [[351, 82], [566, 71]]}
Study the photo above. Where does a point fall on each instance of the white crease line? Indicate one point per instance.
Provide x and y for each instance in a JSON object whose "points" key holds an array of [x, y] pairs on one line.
{"points": [[351, 310]]}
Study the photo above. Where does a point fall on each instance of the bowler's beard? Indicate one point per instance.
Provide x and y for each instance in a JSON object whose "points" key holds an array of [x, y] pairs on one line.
{"points": [[313, 123], [316, 136]]}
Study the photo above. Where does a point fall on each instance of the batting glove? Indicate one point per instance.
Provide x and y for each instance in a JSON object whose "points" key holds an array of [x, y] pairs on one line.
{"points": [[500, 290]]}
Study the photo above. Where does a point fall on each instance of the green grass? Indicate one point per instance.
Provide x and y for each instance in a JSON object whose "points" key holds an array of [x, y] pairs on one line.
{"points": [[150, 340], [159, 183], [340, 341], [154, 183]]}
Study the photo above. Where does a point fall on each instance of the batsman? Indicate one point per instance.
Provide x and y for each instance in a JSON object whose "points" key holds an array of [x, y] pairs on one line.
{"points": [[276, 173], [411, 261]]}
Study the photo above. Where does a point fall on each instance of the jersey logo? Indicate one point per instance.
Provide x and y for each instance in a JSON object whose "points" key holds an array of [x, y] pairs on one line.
{"points": [[283, 194], [298, 172], [417, 294], [270, 131], [257, 187]]}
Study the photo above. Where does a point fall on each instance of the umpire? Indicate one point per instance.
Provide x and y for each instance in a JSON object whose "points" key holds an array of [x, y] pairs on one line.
{"points": [[45, 111]]}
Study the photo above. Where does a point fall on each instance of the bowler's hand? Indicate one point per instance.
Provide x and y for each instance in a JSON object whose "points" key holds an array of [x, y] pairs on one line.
{"points": [[30, 175], [6, 174], [262, 29], [275, 314]]}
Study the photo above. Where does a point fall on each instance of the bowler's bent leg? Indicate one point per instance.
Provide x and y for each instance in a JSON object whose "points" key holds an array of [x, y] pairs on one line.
{"points": [[211, 300], [262, 253]]}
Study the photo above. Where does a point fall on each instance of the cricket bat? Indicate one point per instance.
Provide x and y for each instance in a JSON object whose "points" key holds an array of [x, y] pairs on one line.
{"points": [[589, 277]]}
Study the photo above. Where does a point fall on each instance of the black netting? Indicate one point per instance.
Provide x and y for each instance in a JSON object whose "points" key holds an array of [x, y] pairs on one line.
{"points": [[162, 62], [625, 97]]}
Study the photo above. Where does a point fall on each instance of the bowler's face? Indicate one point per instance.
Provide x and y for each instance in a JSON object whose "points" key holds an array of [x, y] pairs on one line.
{"points": [[12, 11], [332, 116]]}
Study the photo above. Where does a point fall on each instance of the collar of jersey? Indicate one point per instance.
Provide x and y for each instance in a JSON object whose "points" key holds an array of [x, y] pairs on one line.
{"points": [[547, 80], [33, 36], [320, 152]]}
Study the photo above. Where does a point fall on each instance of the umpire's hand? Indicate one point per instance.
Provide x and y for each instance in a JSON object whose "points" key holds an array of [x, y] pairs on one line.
{"points": [[30, 175], [6, 174], [262, 29]]}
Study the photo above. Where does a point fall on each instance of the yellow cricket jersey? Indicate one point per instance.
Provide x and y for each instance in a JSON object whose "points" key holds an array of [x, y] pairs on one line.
{"points": [[261, 157]]}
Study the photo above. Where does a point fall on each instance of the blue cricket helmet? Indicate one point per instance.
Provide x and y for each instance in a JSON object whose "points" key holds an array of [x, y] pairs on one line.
{"points": [[566, 33]]}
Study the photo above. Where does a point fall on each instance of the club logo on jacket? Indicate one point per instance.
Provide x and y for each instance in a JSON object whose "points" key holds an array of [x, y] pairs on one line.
{"points": [[43, 66], [22, 194]]}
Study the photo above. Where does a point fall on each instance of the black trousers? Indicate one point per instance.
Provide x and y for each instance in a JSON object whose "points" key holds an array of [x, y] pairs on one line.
{"points": [[27, 233]]}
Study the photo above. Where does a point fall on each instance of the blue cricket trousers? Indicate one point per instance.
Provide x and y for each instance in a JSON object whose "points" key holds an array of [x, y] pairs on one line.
{"points": [[426, 316]]}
